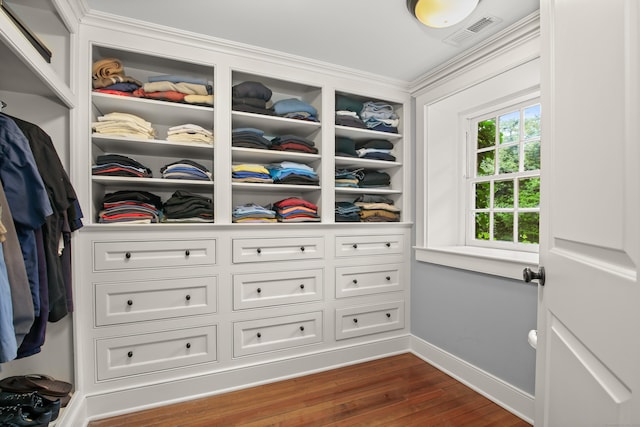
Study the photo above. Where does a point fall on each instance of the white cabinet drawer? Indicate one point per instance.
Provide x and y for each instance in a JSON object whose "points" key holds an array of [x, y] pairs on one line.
{"points": [[117, 303], [264, 250], [153, 254], [139, 354], [357, 321], [283, 287], [347, 246], [257, 336], [368, 279]]}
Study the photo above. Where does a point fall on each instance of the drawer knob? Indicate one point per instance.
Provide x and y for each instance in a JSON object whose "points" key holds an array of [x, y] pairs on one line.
{"points": [[187, 252], [388, 244], [259, 250], [127, 255], [355, 246], [389, 315], [301, 328], [388, 277], [259, 335], [129, 302], [355, 281], [130, 354], [355, 320], [259, 290], [302, 248], [187, 297], [302, 286], [188, 345]]}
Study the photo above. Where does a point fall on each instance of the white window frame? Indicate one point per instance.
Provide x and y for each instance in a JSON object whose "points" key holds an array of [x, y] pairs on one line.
{"points": [[470, 123], [502, 72]]}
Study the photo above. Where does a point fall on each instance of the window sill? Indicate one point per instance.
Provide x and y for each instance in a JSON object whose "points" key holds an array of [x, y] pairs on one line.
{"points": [[497, 262]]}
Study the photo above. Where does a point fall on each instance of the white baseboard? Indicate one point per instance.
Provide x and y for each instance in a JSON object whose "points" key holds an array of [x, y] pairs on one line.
{"points": [[81, 409], [511, 398]]}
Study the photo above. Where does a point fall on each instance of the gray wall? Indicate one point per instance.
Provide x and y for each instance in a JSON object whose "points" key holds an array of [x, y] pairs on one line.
{"points": [[479, 318]]}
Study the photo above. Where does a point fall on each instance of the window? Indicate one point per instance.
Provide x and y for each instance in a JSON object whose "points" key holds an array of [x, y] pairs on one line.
{"points": [[503, 184]]}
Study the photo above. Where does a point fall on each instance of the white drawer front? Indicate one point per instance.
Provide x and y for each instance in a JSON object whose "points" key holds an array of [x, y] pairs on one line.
{"points": [[153, 254], [347, 246], [268, 289], [357, 321], [265, 250], [117, 303], [138, 354], [257, 336], [368, 279]]}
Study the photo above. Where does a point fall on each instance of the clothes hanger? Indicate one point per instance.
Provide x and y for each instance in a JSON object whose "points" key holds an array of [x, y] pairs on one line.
{"points": [[3, 104]]}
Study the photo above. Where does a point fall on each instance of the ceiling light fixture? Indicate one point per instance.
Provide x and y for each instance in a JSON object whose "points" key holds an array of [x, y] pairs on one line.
{"points": [[441, 13]]}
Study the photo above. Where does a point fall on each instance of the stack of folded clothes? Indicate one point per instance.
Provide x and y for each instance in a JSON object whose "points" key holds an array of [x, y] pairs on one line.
{"points": [[247, 172], [249, 138], [293, 108], [347, 212], [252, 212], [294, 209], [130, 206], [347, 177], [175, 88], [119, 165], [293, 173], [184, 206], [293, 143], [348, 112], [379, 116], [190, 133], [376, 208], [251, 97], [345, 147], [108, 76], [32, 400], [123, 124], [186, 169], [372, 178], [377, 149]]}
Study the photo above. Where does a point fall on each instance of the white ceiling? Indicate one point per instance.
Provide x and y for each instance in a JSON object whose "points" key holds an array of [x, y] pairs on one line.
{"points": [[376, 36]]}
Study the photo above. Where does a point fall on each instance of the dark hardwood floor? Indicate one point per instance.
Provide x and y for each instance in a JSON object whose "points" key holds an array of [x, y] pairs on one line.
{"points": [[400, 390]]}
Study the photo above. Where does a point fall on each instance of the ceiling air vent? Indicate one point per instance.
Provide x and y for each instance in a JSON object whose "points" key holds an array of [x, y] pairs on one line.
{"points": [[461, 36]]}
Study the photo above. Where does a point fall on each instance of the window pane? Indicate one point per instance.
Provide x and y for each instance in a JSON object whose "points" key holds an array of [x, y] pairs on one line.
{"points": [[487, 133], [529, 193], [503, 194], [510, 127], [503, 226], [486, 163], [532, 122], [528, 227], [483, 195], [482, 226], [509, 159], [532, 156]]}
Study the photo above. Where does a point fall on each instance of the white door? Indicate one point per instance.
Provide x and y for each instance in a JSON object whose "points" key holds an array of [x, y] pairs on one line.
{"points": [[588, 359]]}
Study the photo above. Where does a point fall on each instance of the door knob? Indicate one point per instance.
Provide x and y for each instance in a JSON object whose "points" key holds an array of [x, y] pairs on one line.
{"points": [[528, 275]]}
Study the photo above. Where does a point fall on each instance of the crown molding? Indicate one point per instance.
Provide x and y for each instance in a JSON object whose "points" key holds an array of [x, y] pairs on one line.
{"points": [[165, 33], [510, 38]]}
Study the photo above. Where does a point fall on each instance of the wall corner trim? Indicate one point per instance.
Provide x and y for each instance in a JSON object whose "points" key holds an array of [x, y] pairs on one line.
{"points": [[511, 398]]}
